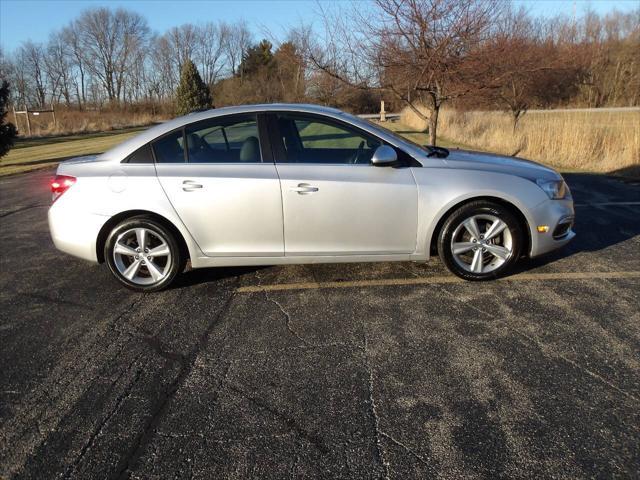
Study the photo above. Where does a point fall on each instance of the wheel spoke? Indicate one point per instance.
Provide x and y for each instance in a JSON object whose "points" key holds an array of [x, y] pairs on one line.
{"points": [[124, 250], [141, 237], [476, 264], [472, 227], [462, 247], [153, 271], [498, 251], [132, 270], [495, 228], [160, 251]]}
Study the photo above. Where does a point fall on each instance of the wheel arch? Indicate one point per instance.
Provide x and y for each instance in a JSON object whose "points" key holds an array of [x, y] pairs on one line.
{"points": [[116, 219], [517, 212]]}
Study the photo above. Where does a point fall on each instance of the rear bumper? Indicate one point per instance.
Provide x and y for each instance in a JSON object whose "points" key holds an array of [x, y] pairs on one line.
{"points": [[75, 232], [558, 216]]}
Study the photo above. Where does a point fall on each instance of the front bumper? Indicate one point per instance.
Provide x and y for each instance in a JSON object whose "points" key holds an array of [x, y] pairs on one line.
{"points": [[558, 216], [75, 232]]}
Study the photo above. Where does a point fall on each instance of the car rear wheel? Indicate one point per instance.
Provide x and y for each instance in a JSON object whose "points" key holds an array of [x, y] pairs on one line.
{"points": [[481, 240], [143, 254]]}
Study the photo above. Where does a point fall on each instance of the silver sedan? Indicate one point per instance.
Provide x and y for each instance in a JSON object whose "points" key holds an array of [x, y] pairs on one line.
{"points": [[286, 184]]}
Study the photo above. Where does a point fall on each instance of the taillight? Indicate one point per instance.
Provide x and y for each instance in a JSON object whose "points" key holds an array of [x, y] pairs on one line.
{"points": [[60, 184]]}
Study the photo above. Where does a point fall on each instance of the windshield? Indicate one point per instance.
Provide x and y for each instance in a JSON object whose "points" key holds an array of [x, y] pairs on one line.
{"points": [[429, 150], [388, 131]]}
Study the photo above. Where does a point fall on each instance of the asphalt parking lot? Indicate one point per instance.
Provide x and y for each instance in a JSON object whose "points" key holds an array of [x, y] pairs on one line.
{"points": [[334, 371]]}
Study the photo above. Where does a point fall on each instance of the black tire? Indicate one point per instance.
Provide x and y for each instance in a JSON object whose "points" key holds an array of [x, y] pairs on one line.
{"points": [[174, 264], [454, 223]]}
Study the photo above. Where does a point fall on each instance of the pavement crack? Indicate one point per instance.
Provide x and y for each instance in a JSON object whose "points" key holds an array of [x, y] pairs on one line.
{"points": [[546, 350], [285, 313], [374, 409], [406, 448], [287, 319], [549, 351], [127, 310], [312, 437]]}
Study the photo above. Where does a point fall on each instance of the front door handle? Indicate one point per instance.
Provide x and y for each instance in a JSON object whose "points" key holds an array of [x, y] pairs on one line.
{"points": [[304, 189], [190, 186]]}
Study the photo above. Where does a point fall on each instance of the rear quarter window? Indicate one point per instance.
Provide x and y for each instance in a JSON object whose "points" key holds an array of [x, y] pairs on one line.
{"points": [[142, 155], [170, 148]]}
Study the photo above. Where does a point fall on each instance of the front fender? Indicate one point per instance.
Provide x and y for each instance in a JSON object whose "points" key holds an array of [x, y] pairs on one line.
{"points": [[440, 190]]}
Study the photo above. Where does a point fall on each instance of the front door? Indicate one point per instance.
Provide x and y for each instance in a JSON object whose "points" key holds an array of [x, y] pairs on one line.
{"points": [[228, 197], [334, 201]]}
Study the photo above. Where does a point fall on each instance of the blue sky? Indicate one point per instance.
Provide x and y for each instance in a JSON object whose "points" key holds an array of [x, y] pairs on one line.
{"points": [[21, 20]]}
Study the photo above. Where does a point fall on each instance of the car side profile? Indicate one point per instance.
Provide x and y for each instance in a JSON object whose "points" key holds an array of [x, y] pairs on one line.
{"points": [[287, 184]]}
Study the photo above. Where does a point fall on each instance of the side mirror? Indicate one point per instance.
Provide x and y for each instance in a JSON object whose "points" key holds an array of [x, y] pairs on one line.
{"points": [[384, 156]]}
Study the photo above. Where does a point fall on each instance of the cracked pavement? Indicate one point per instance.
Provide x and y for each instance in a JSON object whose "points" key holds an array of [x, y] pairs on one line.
{"points": [[526, 379]]}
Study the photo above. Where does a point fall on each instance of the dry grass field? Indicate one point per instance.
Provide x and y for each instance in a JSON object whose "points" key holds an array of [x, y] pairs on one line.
{"points": [[88, 121], [604, 142]]}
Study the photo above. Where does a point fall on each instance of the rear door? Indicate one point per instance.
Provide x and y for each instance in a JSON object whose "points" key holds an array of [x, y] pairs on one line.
{"points": [[224, 185], [334, 201]]}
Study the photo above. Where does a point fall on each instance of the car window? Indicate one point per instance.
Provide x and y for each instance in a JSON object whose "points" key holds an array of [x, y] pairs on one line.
{"points": [[142, 155], [317, 140], [169, 149], [224, 140]]}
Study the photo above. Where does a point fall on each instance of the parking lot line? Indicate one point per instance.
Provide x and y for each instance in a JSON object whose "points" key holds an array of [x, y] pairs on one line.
{"points": [[608, 204], [521, 277]]}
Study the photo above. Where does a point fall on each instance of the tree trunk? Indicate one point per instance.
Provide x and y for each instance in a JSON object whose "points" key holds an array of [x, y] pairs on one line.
{"points": [[433, 124]]}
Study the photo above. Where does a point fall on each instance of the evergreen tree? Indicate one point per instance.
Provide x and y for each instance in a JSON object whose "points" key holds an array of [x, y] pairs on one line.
{"points": [[257, 58], [8, 131], [192, 93]]}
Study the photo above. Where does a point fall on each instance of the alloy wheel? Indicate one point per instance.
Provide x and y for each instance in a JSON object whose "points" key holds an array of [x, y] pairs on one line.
{"points": [[482, 243], [142, 256]]}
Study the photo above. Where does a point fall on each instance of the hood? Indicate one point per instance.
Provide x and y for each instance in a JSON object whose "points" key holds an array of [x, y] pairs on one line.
{"points": [[469, 160]]}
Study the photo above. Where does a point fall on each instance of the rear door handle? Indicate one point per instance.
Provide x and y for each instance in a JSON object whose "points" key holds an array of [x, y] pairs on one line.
{"points": [[304, 189], [190, 186]]}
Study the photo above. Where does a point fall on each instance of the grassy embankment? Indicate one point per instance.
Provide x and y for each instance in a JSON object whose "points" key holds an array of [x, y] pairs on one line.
{"points": [[42, 152]]}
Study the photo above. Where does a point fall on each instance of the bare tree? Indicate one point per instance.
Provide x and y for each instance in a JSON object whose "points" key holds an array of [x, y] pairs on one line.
{"points": [[58, 63], [237, 39], [421, 51], [209, 51], [72, 38], [111, 42], [32, 57], [163, 75], [183, 40]]}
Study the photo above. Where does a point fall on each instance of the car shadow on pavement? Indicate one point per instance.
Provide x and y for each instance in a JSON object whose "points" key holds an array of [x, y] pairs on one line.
{"points": [[207, 275]]}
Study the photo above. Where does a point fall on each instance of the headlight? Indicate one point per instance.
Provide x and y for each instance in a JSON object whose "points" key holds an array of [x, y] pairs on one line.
{"points": [[555, 189]]}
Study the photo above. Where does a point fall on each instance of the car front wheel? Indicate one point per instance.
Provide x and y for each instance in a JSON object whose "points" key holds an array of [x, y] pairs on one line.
{"points": [[481, 240], [143, 254]]}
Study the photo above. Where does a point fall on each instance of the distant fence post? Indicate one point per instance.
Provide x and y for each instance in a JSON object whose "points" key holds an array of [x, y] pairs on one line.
{"points": [[383, 117], [53, 112], [26, 111]]}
